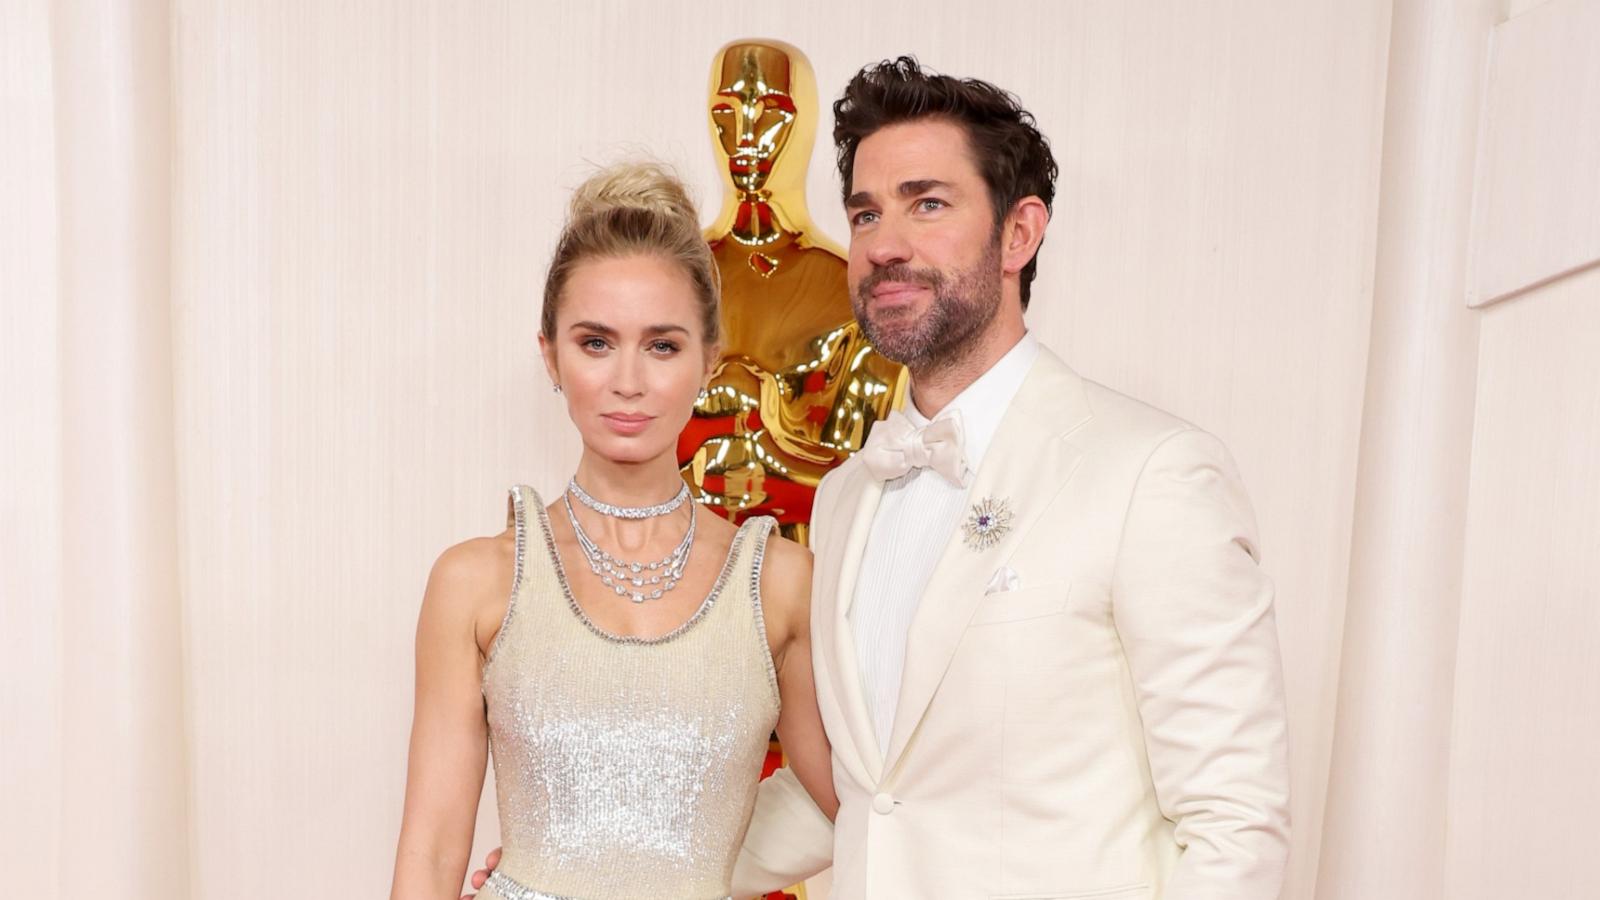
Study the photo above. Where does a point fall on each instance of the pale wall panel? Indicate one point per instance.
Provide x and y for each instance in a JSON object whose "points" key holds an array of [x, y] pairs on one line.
{"points": [[1523, 784], [1537, 212], [30, 470], [356, 388], [366, 195]]}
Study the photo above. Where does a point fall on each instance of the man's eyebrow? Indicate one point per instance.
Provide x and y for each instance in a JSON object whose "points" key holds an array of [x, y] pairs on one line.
{"points": [[904, 189], [858, 199], [920, 186]]}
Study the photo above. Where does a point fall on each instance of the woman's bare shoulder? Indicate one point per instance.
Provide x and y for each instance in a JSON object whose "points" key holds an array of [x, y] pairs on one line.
{"points": [[475, 574], [786, 582]]}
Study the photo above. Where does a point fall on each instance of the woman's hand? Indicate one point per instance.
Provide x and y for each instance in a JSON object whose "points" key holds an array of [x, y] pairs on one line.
{"points": [[482, 875]]}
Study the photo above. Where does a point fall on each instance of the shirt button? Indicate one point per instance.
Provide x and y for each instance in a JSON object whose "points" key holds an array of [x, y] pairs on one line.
{"points": [[883, 804]]}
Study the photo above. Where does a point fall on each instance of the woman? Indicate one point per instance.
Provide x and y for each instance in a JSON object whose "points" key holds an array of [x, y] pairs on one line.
{"points": [[623, 652]]}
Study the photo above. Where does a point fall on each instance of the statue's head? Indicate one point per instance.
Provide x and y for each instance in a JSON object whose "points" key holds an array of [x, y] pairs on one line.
{"points": [[763, 113]]}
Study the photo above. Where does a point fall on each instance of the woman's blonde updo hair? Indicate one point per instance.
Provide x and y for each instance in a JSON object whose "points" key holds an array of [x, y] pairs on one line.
{"points": [[631, 209]]}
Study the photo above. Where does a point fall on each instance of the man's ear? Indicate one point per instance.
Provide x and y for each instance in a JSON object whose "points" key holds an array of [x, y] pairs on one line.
{"points": [[1022, 234]]}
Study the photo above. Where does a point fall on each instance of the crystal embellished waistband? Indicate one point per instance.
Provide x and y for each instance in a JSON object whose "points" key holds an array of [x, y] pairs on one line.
{"points": [[511, 889]]}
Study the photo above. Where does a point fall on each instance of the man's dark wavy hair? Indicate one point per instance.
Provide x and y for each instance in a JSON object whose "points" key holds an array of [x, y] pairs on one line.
{"points": [[1013, 157]]}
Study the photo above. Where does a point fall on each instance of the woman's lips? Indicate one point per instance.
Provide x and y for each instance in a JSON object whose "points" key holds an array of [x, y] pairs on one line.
{"points": [[627, 423]]}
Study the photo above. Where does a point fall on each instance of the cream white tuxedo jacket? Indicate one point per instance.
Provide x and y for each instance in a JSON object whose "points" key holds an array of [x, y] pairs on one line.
{"points": [[1111, 728]]}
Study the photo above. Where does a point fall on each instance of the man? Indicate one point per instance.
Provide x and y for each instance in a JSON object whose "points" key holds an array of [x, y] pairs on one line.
{"points": [[1044, 652]]}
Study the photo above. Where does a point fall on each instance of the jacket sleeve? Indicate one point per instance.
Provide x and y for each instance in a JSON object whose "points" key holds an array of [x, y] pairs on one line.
{"points": [[789, 839], [1194, 612]]}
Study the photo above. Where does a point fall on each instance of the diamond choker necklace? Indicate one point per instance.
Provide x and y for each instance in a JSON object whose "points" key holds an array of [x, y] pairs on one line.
{"points": [[628, 512]]}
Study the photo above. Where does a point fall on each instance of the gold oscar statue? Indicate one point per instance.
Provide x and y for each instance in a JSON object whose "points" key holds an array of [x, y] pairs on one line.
{"points": [[798, 387]]}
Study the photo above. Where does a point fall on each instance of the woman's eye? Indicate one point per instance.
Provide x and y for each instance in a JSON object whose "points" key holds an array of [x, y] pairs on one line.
{"points": [[664, 347], [595, 344]]}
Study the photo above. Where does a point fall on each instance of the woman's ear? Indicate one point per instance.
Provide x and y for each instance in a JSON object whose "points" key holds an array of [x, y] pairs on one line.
{"points": [[713, 358], [547, 350]]}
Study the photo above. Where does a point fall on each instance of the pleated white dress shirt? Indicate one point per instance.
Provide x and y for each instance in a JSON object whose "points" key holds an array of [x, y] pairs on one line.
{"points": [[915, 520]]}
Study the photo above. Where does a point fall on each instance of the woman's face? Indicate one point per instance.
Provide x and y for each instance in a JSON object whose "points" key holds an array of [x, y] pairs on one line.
{"points": [[629, 354]]}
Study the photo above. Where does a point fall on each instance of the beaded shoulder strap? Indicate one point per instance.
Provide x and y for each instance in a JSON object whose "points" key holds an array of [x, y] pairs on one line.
{"points": [[517, 518], [764, 527]]}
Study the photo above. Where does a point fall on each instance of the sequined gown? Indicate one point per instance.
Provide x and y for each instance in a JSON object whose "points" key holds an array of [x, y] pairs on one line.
{"points": [[625, 768]]}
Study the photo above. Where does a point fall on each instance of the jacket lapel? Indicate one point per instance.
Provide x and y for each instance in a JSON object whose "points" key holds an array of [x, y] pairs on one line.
{"points": [[859, 496], [1028, 463]]}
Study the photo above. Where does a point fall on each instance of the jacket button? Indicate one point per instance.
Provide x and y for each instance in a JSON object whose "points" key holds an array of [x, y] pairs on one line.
{"points": [[883, 804]]}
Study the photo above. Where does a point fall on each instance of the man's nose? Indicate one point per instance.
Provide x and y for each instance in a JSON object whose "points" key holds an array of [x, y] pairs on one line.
{"points": [[887, 244]]}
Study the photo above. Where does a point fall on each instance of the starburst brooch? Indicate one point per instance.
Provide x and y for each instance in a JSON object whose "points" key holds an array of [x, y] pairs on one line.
{"points": [[989, 522]]}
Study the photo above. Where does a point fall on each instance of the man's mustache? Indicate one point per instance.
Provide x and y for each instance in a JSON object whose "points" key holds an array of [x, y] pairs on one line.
{"points": [[932, 279]]}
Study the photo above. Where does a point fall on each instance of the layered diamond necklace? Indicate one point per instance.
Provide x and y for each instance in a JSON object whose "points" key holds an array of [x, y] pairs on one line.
{"points": [[638, 581]]}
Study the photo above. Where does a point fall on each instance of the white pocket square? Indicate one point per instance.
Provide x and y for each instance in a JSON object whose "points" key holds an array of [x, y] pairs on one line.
{"points": [[1004, 580]]}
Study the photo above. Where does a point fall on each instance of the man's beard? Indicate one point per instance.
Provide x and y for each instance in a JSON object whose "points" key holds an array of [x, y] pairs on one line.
{"points": [[964, 303]]}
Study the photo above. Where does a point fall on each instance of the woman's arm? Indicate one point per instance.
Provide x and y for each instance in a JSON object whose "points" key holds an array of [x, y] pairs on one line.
{"points": [[449, 733], [786, 598]]}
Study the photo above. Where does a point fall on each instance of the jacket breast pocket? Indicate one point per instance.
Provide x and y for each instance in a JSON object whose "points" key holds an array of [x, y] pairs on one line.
{"points": [[1021, 604]]}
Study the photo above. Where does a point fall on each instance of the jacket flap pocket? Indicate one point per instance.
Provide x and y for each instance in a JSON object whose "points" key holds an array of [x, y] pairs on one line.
{"points": [[1022, 603]]}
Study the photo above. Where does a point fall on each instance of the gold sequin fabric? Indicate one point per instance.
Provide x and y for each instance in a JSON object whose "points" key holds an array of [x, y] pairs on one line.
{"points": [[625, 768]]}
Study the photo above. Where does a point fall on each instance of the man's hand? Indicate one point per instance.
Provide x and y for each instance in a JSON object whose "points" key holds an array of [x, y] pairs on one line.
{"points": [[482, 875]]}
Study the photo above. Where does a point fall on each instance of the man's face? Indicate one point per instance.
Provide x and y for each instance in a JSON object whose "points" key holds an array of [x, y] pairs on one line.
{"points": [[924, 250]]}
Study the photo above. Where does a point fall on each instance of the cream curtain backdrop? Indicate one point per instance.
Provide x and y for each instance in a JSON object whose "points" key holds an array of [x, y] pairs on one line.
{"points": [[30, 464], [92, 763], [270, 275]]}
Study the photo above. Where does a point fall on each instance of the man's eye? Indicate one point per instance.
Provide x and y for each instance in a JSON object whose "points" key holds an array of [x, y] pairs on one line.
{"points": [[929, 204], [864, 218]]}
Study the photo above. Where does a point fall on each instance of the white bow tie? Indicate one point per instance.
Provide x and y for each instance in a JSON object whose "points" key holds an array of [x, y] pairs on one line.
{"points": [[896, 446]]}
